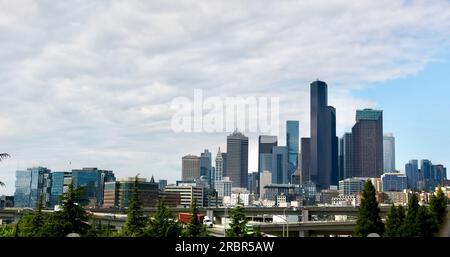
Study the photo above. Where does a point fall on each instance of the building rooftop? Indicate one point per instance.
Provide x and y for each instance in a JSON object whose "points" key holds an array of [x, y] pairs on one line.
{"points": [[237, 133], [368, 114]]}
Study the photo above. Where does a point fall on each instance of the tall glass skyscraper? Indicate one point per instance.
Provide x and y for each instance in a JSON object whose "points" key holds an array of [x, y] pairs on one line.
{"points": [[388, 152], [367, 136], [265, 145], [280, 165], [30, 184], [324, 143], [92, 181], [428, 178], [292, 142], [306, 159], [205, 165], [346, 155], [237, 159], [425, 167], [253, 180], [441, 174], [412, 173], [23, 189], [60, 182]]}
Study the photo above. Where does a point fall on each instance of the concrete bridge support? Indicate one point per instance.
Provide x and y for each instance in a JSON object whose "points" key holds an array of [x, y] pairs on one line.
{"points": [[303, 233], [305, 215], [210, 213]]}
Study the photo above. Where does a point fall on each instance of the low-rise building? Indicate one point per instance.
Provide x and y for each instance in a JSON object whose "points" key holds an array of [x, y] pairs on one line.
{"points": [[282, 201], [117, 194], [327, 195], [378, 197], [171, 199], [394, 182], [245, 199], [350, 186], [187, 193], [223, 187], [396, 198], [344, 200]]}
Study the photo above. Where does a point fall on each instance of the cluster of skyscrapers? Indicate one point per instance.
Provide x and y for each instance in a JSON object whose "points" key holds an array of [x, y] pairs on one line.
{"points": [[427, 177], [99, 188], [320, 161], [298, 170], [37, 181]]}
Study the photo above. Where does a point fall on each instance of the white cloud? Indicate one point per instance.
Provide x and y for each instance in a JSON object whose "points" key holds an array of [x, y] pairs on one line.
{"points": [[92, 82]]}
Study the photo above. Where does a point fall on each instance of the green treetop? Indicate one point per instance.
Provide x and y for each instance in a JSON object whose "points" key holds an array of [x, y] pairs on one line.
{"points": [[369, 220], [427, 224], [238, 222], [438, 206], [410, 226], [394, 221], [194, 228], [73, 216], [162, 223], [135, 224]]}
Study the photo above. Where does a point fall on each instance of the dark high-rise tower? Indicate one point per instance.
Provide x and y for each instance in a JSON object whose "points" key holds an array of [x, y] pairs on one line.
{"points": [[237, 159], [265, 145], [205, 165], [279, 165], [346, 153], [412, 173], [367, 136], [324, 143], [306, 159], [426, 168], [292, 141]]}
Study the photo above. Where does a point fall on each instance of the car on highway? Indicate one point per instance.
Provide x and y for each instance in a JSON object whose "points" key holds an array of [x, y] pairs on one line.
{"points": [[208, 222]]}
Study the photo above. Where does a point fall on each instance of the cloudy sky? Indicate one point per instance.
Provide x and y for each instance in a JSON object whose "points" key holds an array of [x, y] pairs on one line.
{"points": [[90, 82]]}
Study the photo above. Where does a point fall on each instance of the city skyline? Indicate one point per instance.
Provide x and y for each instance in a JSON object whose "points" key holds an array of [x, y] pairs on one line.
{"points": [[71, 104]]}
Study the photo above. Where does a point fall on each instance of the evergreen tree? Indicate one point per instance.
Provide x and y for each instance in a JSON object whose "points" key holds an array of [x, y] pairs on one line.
{"points": [[25, 225], [438, 207], [135, 224], [369, 220], [238, 222], [37, 220], [72, 218], [410, 226], [55, 226], [37, 223], [194, 227], [394, 221], [426, 222], [162, 223]]}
